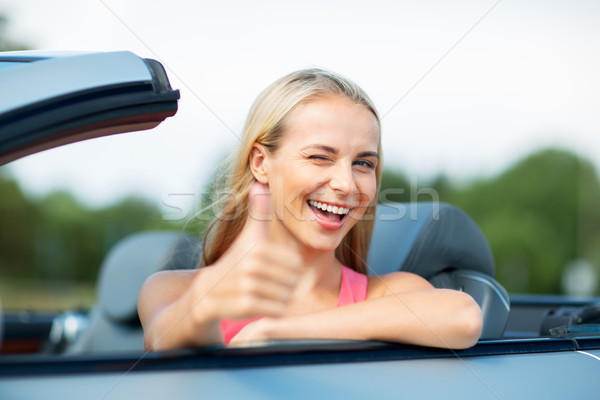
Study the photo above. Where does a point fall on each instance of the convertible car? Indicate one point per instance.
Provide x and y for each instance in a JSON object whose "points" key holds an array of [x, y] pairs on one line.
{"points": [[530, 347]]}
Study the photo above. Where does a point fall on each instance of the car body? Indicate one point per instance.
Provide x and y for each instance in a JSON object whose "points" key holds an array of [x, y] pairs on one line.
{"points": [[534, 347]]}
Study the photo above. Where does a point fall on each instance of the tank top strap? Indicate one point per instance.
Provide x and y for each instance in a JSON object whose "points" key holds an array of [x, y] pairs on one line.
{"points": [[353, 288]]}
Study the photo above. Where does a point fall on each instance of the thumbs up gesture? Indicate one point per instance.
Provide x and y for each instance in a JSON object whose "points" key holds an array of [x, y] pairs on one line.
{"points": [[255, 276]]}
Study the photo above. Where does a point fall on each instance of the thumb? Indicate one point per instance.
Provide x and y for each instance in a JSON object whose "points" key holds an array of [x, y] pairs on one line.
{"points": [[259, 211]]}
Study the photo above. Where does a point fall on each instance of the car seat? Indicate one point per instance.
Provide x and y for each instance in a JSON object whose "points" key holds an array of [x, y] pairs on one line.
{"points": [[435, 240], [445, 246], [113, 322]]}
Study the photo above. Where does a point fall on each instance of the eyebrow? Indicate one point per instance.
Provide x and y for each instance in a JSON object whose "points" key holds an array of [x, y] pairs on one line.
{"points": [[369, 154], [335, 151]]}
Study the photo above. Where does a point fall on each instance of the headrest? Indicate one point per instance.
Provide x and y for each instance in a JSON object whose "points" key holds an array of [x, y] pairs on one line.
{"points": [[489, 294], [427, 238], [131, 261]]}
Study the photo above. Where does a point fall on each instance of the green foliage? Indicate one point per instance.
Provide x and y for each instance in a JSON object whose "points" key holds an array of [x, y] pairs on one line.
{"points": [[17, 217], [56, 237], [538, 215], [395, 187], [6, 43]]}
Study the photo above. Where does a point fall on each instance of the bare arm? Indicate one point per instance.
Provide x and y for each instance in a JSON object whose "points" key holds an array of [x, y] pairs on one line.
{"points": [[169, 316], [402, 308], [253, 278], [184, 308]]}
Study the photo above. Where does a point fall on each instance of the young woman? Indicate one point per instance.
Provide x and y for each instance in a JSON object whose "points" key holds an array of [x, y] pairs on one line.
{"points": [[285, 258]]}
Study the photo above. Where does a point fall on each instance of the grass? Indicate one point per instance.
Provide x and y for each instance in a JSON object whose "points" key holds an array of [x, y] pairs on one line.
{"points": [[46, 295]]}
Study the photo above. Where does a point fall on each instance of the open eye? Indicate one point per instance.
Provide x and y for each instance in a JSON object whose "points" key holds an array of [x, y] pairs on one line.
{"points": [[364, 163]]}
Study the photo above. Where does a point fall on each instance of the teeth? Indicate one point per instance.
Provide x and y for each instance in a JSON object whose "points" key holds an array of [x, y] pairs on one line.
{"points": [[329, 207]]}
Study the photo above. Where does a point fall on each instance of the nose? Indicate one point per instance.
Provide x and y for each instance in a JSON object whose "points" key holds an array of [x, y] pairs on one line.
{"points": [[342, 179]]}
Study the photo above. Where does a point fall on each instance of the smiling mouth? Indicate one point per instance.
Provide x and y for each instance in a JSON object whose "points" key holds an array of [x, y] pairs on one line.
{"points": [[329, 211]]}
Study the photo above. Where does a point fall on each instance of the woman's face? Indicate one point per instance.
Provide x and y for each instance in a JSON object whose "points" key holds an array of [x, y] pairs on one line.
{"points": [[322, 177]]}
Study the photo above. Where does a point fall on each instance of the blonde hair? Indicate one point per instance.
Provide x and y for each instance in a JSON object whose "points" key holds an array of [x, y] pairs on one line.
{"points": [[265, 125]]}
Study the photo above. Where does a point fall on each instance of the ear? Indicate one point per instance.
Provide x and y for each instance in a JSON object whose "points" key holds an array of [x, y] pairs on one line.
{"points": [[258, 161]]}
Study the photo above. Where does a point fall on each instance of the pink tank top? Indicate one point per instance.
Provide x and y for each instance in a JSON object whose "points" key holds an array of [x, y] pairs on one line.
{"points": [[353, 289]]}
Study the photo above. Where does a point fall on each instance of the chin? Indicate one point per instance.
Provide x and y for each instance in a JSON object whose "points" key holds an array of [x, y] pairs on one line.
{"points": [[323, 243]]}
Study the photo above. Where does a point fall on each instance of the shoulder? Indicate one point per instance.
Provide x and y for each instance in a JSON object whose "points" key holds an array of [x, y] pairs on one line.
{"points": [[175, 278], [163, 287], [394, 283]]}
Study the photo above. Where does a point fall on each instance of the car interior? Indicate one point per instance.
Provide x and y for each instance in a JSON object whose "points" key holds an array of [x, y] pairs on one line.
{"points": [[435, 240]]}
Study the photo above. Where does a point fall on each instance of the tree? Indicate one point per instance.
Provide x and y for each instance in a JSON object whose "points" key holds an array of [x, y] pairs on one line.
{"points": [[6, 43], [538, 216], [17, 217]]}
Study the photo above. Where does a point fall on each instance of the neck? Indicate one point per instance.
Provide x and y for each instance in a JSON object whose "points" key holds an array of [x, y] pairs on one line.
{"points": [[320, 264], [319, 283]]}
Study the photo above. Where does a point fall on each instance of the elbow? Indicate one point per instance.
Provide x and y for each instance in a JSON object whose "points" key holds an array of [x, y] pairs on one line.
{"points": [[151, 344], [152, 341], [469, 323]]}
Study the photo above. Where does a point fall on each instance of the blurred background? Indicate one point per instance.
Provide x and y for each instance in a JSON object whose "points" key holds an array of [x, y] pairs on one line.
{"points": [[488, 105]]}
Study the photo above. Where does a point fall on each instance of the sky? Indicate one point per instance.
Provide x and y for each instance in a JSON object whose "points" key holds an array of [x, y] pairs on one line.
{"points": [[464, 88]]}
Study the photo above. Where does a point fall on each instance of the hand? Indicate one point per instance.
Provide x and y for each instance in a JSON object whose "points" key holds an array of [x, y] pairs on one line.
{"points": [[256, 331], [255, 276]]}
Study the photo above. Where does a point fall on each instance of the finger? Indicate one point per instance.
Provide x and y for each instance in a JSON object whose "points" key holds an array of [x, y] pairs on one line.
{"points": [[259, 212], [276, 263], [266, 289], [251, 306], [260, 276]]}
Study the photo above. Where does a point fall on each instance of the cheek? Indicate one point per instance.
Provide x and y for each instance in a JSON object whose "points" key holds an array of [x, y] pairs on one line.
{"points": [[367, 187], [302, 180], [290, 185]]}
